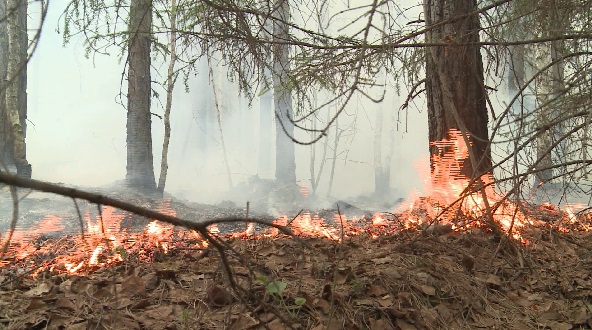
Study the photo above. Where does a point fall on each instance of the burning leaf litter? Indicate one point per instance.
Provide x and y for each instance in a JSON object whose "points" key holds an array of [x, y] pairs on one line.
{"points": [[391, 282], [433, 264]]}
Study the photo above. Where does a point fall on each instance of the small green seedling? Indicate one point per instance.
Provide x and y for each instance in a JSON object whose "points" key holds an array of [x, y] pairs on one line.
{"points": [[299, 301], [276, 287], [121, 252]]}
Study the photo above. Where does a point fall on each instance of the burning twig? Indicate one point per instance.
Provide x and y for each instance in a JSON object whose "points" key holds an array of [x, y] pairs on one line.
{"points": [[105, 238], [336, 270], [294, 218], [82, 236]]}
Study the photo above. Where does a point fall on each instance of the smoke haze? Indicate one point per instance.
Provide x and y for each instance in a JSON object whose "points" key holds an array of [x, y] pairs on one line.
{"points": [[76, 132]]}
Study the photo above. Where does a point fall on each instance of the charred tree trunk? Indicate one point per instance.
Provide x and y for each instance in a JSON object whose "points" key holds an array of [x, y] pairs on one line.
{"points": [[455, 83], [16, 82], [140, 167], [285, 164]]}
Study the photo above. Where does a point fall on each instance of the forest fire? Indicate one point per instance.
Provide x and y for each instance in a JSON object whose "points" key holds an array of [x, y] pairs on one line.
{"points": [[448, 207]]}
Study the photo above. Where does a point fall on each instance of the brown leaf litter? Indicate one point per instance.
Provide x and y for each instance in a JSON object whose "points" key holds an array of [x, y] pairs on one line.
{"points": [[408, 281]]}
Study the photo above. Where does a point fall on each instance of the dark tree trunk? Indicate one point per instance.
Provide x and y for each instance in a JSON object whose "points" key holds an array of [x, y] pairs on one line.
{"points": [[454, 81], [140, 168], [285, 164]]}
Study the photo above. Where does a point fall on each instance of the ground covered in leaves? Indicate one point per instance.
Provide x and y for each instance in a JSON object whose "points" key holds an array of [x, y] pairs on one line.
{"points": [[410, 280]]}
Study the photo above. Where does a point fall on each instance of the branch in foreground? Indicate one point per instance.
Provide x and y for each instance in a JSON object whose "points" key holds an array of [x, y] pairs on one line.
{"points": [[201, 227]]}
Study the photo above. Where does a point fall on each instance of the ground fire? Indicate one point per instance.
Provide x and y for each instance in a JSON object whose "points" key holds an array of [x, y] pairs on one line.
{"points": [[448, 206], [448, 209]]}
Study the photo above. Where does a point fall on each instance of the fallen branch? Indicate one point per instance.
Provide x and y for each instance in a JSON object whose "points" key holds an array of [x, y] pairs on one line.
{"points": [[201, 227]]}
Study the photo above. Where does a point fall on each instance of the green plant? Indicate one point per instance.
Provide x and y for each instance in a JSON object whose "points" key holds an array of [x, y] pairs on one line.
{"points": [[276, 290]]}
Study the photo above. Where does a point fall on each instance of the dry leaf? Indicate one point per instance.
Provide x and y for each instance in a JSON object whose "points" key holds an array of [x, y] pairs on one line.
{"points": [[322, 304], [218, 296], [160, 312], [41, 289], [244, 321], [429, 290], [133, 285], [376, 291], [35, 303], [65, 303], [404, 325], [380, 324]]}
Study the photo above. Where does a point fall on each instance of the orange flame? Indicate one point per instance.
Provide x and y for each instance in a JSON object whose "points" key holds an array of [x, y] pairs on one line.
{"points": [[448, 202]]}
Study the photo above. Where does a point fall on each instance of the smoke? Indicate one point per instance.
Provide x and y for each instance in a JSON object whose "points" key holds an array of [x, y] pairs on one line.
{"points": [[76, 133]]}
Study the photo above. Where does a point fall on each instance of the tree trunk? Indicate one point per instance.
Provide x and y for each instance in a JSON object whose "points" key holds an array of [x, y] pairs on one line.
{"points": [[140, 168], [381, 175], [218, 107], [265, 135], [5, 134], [171, 77], [265, 129], [544, 141], [549, 88], [455, 83], [285, 161], [16, 93], [265, 117]]}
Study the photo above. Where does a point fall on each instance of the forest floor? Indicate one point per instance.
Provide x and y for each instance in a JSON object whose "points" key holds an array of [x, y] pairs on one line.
{"points": [[376, 279], [410, 280]]}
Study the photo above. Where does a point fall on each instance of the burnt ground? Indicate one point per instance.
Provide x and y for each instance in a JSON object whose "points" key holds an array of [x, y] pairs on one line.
{"points": [[408, 280]]}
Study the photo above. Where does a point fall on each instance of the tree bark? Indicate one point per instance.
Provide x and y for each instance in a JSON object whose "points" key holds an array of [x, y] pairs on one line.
{"points": [[544, 87], [171, 77], [16, 93], [5, 134], [550, 86], [455, 83], [140, 168], [285, 164]]}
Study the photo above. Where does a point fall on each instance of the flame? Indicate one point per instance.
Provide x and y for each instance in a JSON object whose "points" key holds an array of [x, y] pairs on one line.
{"points": [[447, 201]]}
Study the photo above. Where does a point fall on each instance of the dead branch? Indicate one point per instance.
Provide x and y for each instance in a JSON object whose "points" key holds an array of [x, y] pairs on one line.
{"points": [[200, 227]]}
